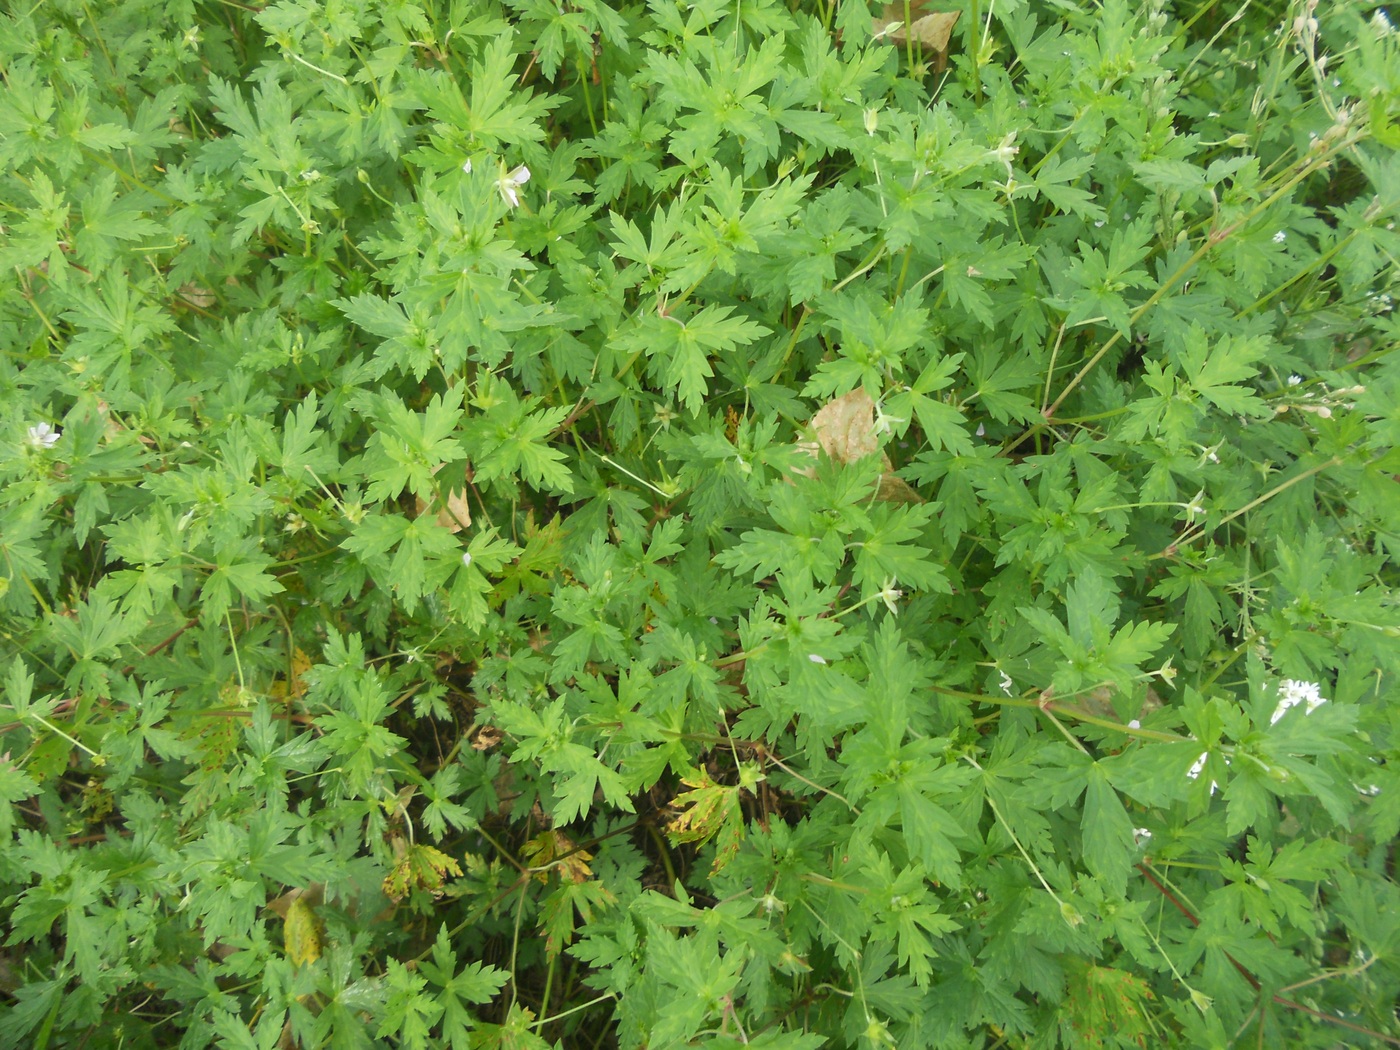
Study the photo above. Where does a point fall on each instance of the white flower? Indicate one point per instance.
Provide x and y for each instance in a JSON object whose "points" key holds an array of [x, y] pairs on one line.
{"points": [[467, 166], [1294, 380], [889, 594], [41, 435], [1005, 684], [466, 557], [511, 182], [1134, 724], [1196, 507], [1381, 24], [1141, 835], [883, 423], [815, 658], [1005, 151], [1280, 237], [1292, 692]]}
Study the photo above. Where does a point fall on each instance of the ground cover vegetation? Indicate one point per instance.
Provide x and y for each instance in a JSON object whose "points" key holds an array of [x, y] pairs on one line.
{"points": [[543, 523]]}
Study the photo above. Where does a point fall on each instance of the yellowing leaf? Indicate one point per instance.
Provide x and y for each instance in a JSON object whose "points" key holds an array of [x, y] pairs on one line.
{"points": [[294, 688], [554, 847], [419, 867], [710, 809], [301, 932]]}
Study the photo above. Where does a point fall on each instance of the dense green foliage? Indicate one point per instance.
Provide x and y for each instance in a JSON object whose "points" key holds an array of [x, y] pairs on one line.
{"points": [[532, 522]]}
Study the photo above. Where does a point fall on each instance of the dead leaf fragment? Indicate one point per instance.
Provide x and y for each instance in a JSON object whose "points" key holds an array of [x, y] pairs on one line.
{"points": [[845, 430], [196, 295], [456, 515], [894, 489], [931, 31], [487, 737], [845, 427]]}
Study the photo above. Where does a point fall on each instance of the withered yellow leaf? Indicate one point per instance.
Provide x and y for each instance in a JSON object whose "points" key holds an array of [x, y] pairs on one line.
{"points": [[557, 849], [707, 811], [301, 932], [418, 867]]}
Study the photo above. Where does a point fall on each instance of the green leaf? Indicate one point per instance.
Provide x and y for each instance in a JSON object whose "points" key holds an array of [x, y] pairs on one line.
{"points": [[1107, 831]]}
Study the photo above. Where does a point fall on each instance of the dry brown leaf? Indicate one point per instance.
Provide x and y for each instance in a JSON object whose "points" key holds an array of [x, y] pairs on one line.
{"points": [[845, 427], [314, 894], [456, 515], [894, 489], [196, 295], [932, 31], [1099, 703], [487, 737], [845, 430]]}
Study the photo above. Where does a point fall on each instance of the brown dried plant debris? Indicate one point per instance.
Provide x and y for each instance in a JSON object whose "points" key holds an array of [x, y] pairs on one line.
{"points": [[845, 430], [930, 31]]}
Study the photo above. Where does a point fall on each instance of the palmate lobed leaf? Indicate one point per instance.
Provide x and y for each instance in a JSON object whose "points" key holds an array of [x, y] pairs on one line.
{"points": [[888, 511]]}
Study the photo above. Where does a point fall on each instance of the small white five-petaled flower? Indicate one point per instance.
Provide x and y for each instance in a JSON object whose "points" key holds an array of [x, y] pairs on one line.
{"points": [[511, 182], [1280, 237], [1292, 692], [1005, 151], [889, 594], [41, 436]]}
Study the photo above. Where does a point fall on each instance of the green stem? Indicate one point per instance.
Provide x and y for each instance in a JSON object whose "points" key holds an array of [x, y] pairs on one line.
{"points": [[1281, 487], [1216, 237], [1068, 712]]}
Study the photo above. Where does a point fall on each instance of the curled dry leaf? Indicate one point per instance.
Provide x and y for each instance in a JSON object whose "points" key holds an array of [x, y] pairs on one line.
{"points": [[894, 489], [931, 31]]}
